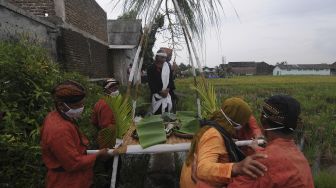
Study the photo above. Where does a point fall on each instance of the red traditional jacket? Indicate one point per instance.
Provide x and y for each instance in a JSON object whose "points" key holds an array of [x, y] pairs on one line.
{"points": [[286, 167], [64, 154], [250, 131], [102, 115]]}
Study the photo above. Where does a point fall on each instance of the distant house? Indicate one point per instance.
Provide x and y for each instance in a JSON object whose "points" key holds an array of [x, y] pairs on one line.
{"points": [[250, 68], [210, 72], [264, 68], [333, 69], [301, 69]]}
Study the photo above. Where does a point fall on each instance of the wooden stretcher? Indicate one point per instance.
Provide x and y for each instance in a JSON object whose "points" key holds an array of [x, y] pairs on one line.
{"points": [[130, 145]]}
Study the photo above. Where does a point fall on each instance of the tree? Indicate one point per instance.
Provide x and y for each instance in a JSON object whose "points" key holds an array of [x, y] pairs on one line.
{"points": [[158, 23], [148, 57], [197, 14]]}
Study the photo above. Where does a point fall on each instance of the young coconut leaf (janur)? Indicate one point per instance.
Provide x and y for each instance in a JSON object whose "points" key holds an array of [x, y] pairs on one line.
{"points": [[208, 97], [122, 111]]}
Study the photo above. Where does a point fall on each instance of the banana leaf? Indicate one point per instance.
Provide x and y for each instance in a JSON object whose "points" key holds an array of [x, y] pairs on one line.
{"points": [[189, 122], [151, 131], [189, 125], [186, 114], [168, 117]]}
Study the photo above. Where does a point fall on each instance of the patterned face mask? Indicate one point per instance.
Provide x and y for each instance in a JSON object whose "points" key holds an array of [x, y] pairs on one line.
{"points": [[235, 125]]}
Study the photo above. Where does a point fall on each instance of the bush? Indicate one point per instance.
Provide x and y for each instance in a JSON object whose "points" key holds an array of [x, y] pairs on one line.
{"points": [[27, 75]]}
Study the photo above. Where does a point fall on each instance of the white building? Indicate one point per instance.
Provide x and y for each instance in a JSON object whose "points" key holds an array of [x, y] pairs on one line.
{"points": [[301, 69]]}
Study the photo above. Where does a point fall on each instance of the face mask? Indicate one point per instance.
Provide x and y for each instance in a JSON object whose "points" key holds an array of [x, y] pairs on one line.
{"points": [[235, 125], [277, 128], [114, 93], [74, 113]]}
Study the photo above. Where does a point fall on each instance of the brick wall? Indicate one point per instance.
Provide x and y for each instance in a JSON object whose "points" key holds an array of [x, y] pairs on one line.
{"points": [[83, 55], [88, 16], [37, 7]]}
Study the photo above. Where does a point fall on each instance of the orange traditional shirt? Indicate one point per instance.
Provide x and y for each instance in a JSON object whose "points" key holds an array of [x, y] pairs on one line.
{"points": [[102, 115], [64, 154], [287, 167], [212, 162]]}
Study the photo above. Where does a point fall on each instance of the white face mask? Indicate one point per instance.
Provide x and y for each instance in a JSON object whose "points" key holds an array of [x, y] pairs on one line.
{"points": [[114, 93], [235, 125], [74, 113], [277, 128]]}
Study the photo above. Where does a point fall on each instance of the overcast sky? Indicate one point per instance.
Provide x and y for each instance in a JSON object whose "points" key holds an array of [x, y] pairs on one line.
{"points": [[296, 31]]}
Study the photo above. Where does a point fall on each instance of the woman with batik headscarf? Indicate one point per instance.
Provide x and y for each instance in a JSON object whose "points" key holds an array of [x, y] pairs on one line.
{"points": [[213, 158], [63, 145], [287, 166]]}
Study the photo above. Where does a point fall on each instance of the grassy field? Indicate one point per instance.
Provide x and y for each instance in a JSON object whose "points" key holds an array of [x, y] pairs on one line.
{"points": [[317, 95]]}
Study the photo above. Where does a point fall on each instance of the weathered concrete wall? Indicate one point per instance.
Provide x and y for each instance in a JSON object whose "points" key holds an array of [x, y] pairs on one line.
{"points": [[123, 38], [16, 23], [124, 32], [120, 60], [88, 16], [84, 55]]}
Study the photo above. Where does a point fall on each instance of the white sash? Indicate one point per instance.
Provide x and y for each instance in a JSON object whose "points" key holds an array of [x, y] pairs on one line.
{"points": [[157, 99]]}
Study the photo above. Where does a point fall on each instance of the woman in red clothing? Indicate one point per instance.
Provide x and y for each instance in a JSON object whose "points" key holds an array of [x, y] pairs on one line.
{"points": [[287, 166], [63, 145]]}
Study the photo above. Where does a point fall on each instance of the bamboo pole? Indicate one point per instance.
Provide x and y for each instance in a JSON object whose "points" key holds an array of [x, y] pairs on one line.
{"points": [[198, 101], [164, 148]]}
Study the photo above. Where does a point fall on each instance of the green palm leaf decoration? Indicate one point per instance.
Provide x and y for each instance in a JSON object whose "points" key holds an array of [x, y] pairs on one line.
{"points": [[122, 110], [208, 97]]}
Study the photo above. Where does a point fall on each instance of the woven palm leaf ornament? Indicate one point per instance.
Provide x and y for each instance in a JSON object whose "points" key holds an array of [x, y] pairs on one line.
{"points": [[122, 111]]}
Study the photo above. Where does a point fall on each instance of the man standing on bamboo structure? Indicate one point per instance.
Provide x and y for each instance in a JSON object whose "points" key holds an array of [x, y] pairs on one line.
{"points": [[161, 84]]}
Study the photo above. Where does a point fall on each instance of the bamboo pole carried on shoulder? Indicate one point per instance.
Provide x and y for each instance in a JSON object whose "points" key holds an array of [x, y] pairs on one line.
{"points": [[198, 101]]}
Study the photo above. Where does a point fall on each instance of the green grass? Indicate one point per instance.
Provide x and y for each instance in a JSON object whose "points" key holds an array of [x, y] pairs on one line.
{"points": [[325, 179]]}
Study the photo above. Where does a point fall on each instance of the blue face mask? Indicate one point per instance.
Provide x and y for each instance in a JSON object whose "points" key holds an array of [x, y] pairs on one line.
{"points": [[74, 113], [235, 125]]}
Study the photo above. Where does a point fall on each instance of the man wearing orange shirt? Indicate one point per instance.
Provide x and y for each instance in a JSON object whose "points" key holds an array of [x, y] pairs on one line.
{"points": [[62, 143], [287, 166]]}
